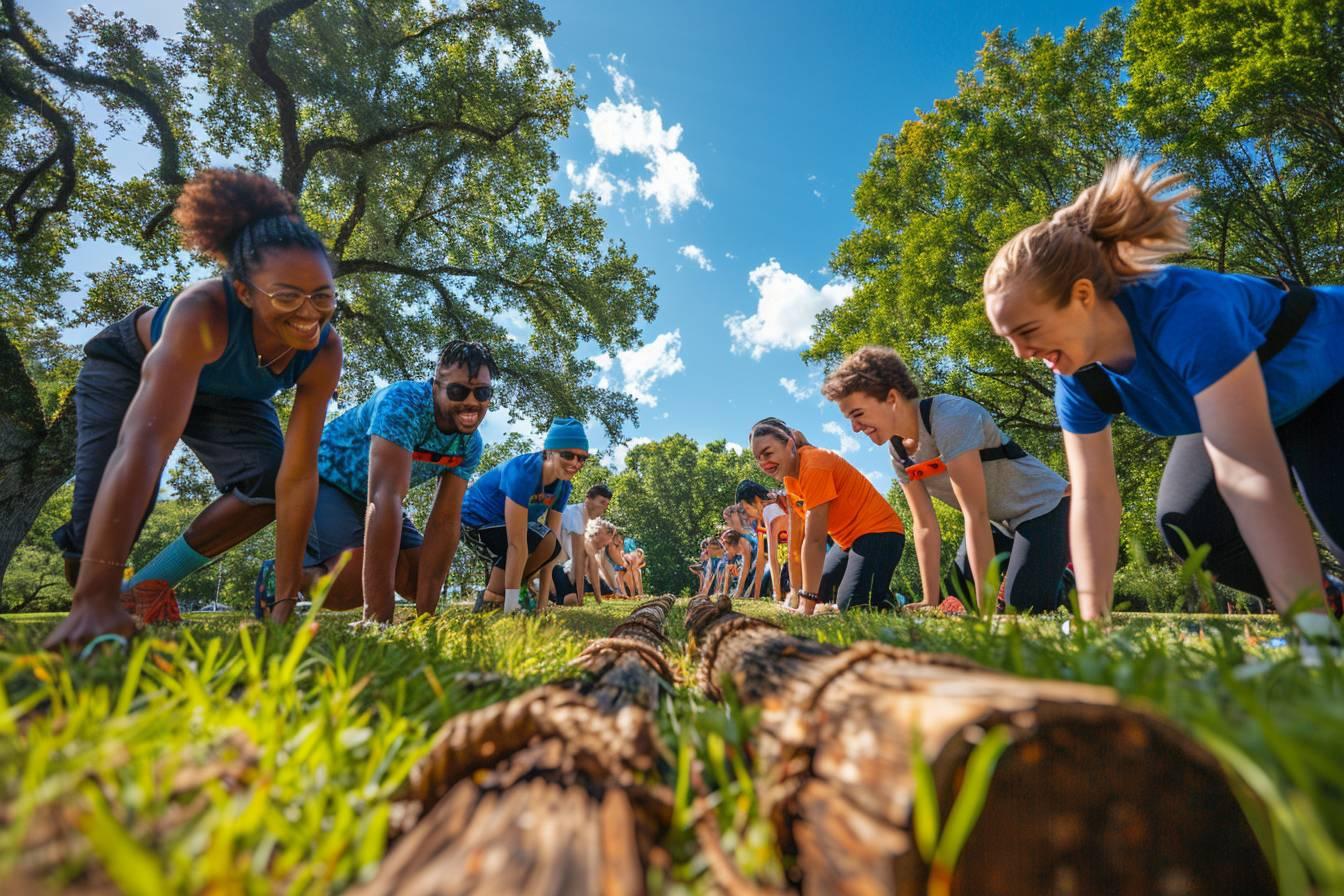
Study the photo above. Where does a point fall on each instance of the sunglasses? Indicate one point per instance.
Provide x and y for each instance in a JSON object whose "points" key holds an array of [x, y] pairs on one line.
{"points": [[459, 392], [569, 457]]}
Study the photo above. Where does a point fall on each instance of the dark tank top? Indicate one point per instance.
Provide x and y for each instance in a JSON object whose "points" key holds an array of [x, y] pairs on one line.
{"points": [[236, 374]]}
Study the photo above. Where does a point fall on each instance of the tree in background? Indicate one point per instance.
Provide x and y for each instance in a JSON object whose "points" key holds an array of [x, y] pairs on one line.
{"points": [[417, 135], [1245, 98], [670, 495]]}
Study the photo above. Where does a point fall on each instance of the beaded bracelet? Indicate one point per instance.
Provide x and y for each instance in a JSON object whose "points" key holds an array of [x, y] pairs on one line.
{"points": [[102, 562]]}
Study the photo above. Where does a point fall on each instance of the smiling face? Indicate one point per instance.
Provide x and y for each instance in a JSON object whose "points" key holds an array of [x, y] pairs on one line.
{"points": [[596, 505], [286, 271], [1063, 338], [874, 417], [463, 415], [568, 462], [752, 509], [775, 456]]}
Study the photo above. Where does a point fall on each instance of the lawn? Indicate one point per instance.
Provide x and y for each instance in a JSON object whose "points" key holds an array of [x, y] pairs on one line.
{"points": [[232, 757]]}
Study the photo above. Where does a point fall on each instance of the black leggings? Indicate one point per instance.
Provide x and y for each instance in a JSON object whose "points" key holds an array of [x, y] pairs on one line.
{"points": [[861, 576], [1189, 498], [1037, 554]]}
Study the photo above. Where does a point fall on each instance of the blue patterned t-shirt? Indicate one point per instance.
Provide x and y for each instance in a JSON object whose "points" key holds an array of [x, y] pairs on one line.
{"points": [[403, 414]]}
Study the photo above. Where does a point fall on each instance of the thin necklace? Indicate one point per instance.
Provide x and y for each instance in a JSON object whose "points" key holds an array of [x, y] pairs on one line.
{"points": [[261, 363]]}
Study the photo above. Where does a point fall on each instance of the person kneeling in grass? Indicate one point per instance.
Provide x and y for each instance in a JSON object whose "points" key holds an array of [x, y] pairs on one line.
{"points": [[582, 572], [837, 500], [950, 448], [203, 367], [502, 516], [1246, 373], [769, 510], [738, 554], [407, 434], [716, 570]]}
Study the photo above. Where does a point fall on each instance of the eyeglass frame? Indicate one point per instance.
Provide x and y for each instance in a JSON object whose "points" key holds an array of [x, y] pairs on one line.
{"points": [[303, 297], [569, 456]]}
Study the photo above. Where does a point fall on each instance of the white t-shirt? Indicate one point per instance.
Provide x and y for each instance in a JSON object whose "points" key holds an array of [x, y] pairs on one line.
{"points": [[573, 521], [771, 513]]}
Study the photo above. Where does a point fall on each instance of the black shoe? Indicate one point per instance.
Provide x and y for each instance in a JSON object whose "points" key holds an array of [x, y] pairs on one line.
{"points": [[480, 602]]}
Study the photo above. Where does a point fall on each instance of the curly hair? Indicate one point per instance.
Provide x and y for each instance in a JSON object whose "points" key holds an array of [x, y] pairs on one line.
{"points": [[873, 370], [1117, 231], [232, 216]]}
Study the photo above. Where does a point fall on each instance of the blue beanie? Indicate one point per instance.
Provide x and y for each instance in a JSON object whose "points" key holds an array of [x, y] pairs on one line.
{"points": [[565, 432]]}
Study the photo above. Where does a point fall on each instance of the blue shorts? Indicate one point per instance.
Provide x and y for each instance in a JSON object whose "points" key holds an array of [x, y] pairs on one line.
{"points": [[238, 440], [338, 524]]}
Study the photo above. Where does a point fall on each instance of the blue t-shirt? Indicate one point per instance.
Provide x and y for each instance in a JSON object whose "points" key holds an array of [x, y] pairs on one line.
{"points": [[1191, 328], [518, 478], [403, 414]]}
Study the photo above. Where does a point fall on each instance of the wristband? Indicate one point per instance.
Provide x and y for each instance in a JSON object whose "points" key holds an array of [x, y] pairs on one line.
{"points": [[807, 595], [511, 599]]}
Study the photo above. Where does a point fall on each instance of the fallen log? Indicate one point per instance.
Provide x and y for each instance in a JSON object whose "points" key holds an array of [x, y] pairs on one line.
{"points": [[550, 792], [1089, 796]]}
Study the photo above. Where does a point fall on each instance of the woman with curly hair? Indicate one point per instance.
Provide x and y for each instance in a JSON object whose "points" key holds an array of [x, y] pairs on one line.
{"points": [[203, 367], [1244, 371]]}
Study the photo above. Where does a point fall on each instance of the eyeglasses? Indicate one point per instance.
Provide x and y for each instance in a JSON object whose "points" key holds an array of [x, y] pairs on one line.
{"points": [[570, 456], [459, 392], [292, 300]]}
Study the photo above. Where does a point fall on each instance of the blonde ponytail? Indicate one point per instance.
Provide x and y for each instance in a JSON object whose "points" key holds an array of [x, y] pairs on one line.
{"points": [[1116, 231]]}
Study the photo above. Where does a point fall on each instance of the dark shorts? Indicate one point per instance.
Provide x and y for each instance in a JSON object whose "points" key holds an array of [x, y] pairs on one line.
{"points": [[562, 584], [338, 524], [238, 440], [491, 543]]}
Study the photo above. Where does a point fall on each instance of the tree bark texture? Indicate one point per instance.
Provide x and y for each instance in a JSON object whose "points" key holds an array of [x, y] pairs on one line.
{"points": [[36, 456], [552, 792], [1089, 796]]}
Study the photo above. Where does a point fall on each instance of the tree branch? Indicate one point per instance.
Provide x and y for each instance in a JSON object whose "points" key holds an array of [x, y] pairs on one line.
{"points": [[292, 169], [352, 220], [64, 153], [169, 151]]}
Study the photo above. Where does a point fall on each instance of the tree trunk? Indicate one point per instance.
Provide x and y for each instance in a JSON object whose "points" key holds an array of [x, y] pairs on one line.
{"points": [[1088, 797], [551, 792], [36, 456]]}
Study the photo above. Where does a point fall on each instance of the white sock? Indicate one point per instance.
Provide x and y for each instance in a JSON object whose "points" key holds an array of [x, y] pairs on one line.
{"points": [[511, 599]]}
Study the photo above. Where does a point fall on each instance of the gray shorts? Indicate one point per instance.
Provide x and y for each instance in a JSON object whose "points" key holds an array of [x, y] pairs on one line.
{"points": [[338, 524], [238, 440]]}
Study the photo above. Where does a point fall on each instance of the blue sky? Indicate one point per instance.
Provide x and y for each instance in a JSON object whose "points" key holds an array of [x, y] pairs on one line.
{"points": [[726, 140]]}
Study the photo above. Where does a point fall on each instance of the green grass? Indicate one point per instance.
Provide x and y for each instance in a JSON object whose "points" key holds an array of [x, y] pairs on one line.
{"points": [[228, 756]]}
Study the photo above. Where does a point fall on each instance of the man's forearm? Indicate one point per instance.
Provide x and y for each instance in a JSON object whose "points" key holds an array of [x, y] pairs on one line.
{"points": [[382, 532], [436, 558]]}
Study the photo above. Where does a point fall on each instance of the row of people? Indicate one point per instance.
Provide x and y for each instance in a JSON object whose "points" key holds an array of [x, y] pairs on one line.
{"points": [[1244, 372], [204, 366]]}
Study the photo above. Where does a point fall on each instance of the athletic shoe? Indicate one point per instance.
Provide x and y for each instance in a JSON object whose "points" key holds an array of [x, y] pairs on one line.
{"points": [[952, 607], [155, 603], [1334, 595]]}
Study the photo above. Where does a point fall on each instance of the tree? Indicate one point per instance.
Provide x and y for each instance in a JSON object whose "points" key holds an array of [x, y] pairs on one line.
{"points": [[1030, 126], [1250, 99], [670, 495], [417, 137]]}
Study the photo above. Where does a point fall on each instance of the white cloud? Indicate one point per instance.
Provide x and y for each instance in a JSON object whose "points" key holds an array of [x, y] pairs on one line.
{"points": [[642, 367], [878, 479], [621, 451], [734, 447], [786, 308], [848, 444], [697, 255], [730, 256], [791, 386], [627, 126], [594, 179]]}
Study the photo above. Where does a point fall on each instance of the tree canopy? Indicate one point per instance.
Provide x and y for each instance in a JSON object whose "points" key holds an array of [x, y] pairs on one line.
{"points": [[417, 135], [1244, 99]]}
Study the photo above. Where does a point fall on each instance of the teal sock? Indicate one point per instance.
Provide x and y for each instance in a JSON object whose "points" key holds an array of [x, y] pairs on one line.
{"points": [[172, 564]]}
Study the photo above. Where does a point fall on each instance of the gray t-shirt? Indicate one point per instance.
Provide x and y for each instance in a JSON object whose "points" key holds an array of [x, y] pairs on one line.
{"points": [[1015, 490]]}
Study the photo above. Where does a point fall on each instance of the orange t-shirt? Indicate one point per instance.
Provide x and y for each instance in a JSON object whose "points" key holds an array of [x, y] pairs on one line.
{"points": [[857, 508]]}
